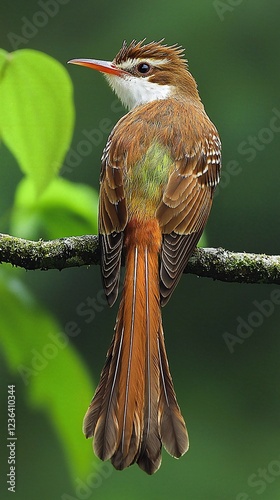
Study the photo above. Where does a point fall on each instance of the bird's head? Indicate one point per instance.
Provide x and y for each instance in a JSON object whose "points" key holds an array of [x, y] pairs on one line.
{"points": [[143, 73]]}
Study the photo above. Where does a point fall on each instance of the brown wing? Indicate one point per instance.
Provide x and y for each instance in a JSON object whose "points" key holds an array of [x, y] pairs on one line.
{"points": [[185, 208], [112, 221]]}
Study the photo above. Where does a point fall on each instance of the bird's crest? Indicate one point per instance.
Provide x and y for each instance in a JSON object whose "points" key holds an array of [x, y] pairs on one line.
{"points": [[152, 50]]}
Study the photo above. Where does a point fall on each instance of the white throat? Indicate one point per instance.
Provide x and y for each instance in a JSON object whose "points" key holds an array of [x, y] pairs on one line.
{"points": [[133, 91]]}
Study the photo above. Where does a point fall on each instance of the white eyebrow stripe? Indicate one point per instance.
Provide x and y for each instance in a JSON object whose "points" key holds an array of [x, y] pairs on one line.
{"points": [[130, 63]]}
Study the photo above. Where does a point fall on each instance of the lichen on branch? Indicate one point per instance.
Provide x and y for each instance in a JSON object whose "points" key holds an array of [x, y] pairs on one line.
{"points": [[75, 251]]}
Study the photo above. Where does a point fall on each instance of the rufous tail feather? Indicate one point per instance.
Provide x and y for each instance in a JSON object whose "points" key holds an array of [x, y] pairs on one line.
{"points": [[134, 409]]}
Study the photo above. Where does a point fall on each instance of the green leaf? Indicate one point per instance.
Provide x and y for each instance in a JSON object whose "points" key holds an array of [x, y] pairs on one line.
{"points": [[203, 240], [36, 113], [3, 61], [64, 209], [54, 375]]}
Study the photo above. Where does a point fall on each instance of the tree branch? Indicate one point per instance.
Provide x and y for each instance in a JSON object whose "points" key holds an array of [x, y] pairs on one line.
{"points": [[74, 251]]}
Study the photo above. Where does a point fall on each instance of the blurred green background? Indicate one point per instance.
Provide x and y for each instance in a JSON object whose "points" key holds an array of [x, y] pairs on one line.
{"points": [[230, 399]]}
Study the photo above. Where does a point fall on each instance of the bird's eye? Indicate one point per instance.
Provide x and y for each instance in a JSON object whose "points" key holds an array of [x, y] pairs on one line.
{"points": [[143, 68]]}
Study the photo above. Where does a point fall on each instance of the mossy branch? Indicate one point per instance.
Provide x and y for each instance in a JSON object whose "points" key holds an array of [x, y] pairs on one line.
{"points": [[215, 263]]}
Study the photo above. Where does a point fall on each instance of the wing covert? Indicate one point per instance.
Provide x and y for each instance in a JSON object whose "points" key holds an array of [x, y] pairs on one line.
{"points": [[185, 208], [112, 221]]}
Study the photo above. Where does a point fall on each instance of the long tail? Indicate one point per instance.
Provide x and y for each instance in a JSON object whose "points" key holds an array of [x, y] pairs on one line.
{"points": [[134, 409]]}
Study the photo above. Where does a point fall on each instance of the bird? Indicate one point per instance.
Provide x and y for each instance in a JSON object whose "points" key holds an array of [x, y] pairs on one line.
{"points": [[159, 170]]}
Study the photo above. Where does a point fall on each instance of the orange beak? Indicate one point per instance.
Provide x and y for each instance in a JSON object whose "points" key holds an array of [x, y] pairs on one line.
{"points": [[103, 66]]}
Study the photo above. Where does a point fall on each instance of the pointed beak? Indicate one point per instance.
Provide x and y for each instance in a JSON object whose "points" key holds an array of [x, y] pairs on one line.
{"points": [[102, 66]]}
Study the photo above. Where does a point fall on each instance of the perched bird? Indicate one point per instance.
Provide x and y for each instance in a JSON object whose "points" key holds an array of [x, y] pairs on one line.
{"points": [[159, 170]]}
